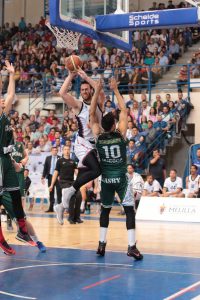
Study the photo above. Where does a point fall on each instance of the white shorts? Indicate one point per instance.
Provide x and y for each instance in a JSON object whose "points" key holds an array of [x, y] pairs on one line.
{"points": [[81, 149]]}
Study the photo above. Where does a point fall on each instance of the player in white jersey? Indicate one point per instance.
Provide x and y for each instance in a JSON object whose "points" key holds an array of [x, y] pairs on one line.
{"points": [[173, 185], [193, 182], [152, 187], [136, 183], [88, 167]]}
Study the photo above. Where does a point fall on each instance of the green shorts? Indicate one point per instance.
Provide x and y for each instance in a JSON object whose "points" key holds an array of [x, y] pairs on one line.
{"points": [[20, 176], [110, 186], [8, 176], [6, 201]]}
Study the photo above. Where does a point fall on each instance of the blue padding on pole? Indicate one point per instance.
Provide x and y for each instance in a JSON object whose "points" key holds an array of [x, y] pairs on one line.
{"points": [[55, 20], [151, 19]]}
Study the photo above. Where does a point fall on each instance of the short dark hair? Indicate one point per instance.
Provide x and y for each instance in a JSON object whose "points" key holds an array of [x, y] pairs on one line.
{"points": [[195, 167], [108, 121], [130, 165]]}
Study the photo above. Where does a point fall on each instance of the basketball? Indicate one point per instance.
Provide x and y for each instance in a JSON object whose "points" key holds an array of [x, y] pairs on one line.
{"points": [[73, 62]]}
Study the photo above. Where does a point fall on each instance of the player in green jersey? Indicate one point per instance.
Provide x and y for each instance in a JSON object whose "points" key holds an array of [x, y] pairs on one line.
{"points": [[111, 146], [20, 156], [8, 178]]}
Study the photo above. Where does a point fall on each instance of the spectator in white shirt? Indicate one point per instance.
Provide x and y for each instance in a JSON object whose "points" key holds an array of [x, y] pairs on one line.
{"points": [[152, 187], [173, 185]]}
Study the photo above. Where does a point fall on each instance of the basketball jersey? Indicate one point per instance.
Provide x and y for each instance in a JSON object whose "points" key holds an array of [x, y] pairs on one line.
{"points": [[83, 119], [154, 187], [18, 151], [172, 186], [193, 185], [111, 148], [6, 133]]}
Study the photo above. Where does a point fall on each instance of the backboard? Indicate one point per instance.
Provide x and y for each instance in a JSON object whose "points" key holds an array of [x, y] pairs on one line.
{"points": [[79, 16]]}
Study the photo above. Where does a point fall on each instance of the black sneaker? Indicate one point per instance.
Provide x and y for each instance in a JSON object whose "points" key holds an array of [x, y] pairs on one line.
{"points": [[101, 249], [134, 252], [6, 248], [25, 238]]}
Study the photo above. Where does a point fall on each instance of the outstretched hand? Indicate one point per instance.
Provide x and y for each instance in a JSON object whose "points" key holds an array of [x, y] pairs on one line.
{"points": [[113, 84], [9, 67], [99, 85], [82, 74]]}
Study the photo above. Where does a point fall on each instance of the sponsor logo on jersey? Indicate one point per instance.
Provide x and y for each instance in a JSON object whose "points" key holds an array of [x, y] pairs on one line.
{"points": [[111, 180]]}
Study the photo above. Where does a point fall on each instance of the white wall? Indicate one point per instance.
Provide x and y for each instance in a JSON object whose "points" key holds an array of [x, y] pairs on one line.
{"points": [[32, 10]]}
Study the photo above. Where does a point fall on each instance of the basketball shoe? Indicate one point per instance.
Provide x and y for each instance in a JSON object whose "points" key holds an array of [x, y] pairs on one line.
{"points": [[101, 249], [41, 247], [25, 238], [134, 252], [6, 248]]}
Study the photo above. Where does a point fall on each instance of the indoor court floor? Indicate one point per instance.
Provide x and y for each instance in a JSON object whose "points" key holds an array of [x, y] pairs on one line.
{"points": [[71, 270]]}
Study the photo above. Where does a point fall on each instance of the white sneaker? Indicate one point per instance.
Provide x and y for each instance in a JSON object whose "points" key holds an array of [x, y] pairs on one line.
{"points": [[67, 193], [59, 210]]}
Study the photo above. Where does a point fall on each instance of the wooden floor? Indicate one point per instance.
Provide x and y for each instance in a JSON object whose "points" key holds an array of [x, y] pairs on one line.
{"points": [[177, 239]]}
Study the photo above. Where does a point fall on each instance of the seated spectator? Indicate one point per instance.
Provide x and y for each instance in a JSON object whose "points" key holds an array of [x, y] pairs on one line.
{"points": [[161, 131], [164, 61], [173, 186], [43, 146], [145, 109], [33, 125], [51, 135], [131, 100], [143, 123], [196, 161], [168, 99], [151, 133], [183, 77], [157, 167], [107, 74], [50, 117], [129, 130], [152, 187], [174, 49], [131, 152], [156, 69], [95, 75], [149, 59], [134, 111], [193, 183], [153, 115]]}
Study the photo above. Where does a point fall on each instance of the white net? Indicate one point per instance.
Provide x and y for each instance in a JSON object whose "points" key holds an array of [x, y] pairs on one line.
{"points": [[65, 38], [194, 2]]}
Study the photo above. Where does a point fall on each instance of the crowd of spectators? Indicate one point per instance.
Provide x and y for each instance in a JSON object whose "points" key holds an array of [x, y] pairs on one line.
{"points": [[33, 51]]}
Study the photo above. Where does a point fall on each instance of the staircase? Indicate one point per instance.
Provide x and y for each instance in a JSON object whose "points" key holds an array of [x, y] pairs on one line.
{"points": [[168, 81]]}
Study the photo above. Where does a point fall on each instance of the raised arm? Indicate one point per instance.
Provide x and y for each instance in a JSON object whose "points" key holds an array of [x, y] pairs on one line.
{"points": [[94, 124], [69, 99], [123, 118], [11, 87], [101, 98]]}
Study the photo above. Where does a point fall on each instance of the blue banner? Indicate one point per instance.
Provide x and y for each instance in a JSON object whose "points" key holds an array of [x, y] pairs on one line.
{"points": [[148, 19]]}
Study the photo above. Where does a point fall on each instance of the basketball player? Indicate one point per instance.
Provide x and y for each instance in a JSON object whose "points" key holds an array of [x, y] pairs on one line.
{"points": [[111, 146], [152, 187], [8, 178], [173, 186], [20, 156], [193, 182], [88, 166]]}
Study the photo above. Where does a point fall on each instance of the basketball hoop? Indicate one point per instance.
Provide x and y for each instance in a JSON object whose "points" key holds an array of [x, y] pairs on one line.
{"points": [[194, 2], [65, 38]]}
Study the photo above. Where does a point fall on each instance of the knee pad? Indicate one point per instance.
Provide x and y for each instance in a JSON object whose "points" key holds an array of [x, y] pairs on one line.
{"points": [[104, 217], [130, 217]]}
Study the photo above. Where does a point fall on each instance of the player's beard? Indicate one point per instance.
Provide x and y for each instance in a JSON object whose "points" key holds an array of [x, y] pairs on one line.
{"points": [[87, 99]]}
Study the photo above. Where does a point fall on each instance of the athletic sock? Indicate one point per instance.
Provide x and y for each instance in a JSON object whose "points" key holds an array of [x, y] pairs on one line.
{"points": [[131, 237], [22, 225], [103, 234], [34, 238], [82, 205]]}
